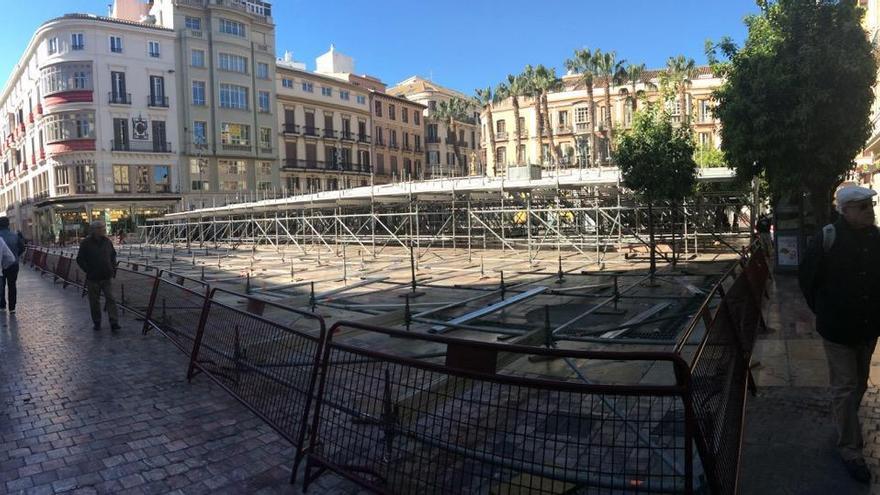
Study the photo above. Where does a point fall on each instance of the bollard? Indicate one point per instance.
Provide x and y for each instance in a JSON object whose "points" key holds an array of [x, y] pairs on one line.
{"points": [[194, 259], [312, 301], [503, 287], [548, 332], [247, 286], [616, 292], [203, 272], [407, 315], [560, 277]]}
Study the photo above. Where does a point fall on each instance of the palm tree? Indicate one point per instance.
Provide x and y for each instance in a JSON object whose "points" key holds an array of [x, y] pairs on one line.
{"points": [[514, 88], [530, 81], [583, 63], [681, 73], [451, 112], [547, 82], [634, 74], [486, 98], [610, 69]]}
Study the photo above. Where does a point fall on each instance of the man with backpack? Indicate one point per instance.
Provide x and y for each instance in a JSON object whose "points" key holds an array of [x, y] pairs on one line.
{"points": [[8, 281], [840, 279]]}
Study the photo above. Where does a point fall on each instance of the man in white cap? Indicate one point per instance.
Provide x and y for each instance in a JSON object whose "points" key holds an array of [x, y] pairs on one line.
{"points": [[840, 279]]}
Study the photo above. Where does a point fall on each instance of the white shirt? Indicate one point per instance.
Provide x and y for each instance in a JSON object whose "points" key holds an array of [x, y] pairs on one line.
{"points": [[7, 259]]}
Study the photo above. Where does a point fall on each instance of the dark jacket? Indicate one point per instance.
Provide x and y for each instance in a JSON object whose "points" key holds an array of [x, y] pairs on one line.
{"points": [[842, 286], [14, 241], [97, 258]]}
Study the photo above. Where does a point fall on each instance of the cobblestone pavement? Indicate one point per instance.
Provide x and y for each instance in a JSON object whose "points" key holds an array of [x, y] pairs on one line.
{"points": [[95, 412], [789, 444]]}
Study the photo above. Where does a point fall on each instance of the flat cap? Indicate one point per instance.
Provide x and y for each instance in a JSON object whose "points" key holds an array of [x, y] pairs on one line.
{"points": [[850, 194]]}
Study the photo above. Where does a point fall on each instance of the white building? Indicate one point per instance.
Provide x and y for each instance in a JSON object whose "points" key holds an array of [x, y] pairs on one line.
{"points": [[89, 129]]}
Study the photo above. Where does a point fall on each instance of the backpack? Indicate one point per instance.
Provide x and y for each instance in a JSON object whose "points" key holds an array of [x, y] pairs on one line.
{"points": [[829, 233]]}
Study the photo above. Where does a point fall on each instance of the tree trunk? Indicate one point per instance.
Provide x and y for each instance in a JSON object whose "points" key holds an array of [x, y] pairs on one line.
{"points": [[685, 113], [549, 123], [820, 200], [653, 245], [608, 125], [634, 99], [592, 124], [539, 125], [516, 129], [491, 147], [456, 163]]}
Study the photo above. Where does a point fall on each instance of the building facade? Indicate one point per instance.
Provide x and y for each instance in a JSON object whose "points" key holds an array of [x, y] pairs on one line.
{"points": [[398, 138], [226, 79], [89, 127], [570, 128], [325, 140], [448, 152]]}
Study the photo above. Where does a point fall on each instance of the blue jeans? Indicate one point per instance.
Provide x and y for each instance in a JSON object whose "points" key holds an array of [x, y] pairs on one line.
{"points": [[7, 281]]}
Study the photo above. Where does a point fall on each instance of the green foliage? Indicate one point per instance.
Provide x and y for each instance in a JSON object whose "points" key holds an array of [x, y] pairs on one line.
{"points": [[655, 158], [796, 102], [709, 157]]}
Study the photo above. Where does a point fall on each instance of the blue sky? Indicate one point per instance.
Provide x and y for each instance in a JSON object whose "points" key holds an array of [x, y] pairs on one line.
{"points": [[462, 44]]}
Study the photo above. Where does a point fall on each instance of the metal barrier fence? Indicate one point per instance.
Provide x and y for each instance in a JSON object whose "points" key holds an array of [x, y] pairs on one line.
{"points": [[404, 425], [418, 424], [269, 367]]}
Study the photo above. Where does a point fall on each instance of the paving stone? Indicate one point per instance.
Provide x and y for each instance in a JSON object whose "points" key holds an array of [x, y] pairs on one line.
{"points": [[94, 412]]}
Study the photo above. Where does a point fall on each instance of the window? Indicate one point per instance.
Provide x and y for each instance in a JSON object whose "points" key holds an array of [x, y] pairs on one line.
{"points": [[198, 58], [404, 115], [233, 63], [500, 126], [265, 137], [198, 93], [391, 114], [287, 83], [266, 168], [264, 101], [197, 169], [562, 118], [120, 134], [116, 44], [308, 87], [77, 41], [200, 133], [162, 179], [153, 49], [233, 185], [378, 109], [232, 27], [238, 134], [361, 99], [157, 91], [85, 178], [66, 76], [417, 119], [62, 180], [121, 180], [432, 105], [52, 46], [501, 156], [325, 91], [433, 158], [117, 87], [194, 23], [344, 95], [262, 70], [232, 96]]}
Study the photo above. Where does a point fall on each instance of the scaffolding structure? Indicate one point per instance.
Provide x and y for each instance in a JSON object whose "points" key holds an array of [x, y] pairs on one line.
{"points": [[585, 216]]}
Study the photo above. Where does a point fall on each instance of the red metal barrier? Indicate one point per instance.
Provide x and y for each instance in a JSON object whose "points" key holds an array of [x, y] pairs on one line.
{"points": [[397, 424]]}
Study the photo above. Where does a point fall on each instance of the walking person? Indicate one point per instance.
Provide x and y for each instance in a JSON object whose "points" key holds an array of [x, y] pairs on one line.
{"points": [[97, 258], [15, 243], [840, 279]]}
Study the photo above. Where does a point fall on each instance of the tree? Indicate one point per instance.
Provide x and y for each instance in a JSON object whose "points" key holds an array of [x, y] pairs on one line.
{"points": [[796, 102], [611, 71], [514, 88], [486, 98], [529, 77], [656, 161], [583, 63], [451, 112], [634, 73], [547, 82], [680, 74], [708, 156]]}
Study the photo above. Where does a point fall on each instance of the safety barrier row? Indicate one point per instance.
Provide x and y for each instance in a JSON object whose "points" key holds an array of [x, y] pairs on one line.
{"points": [[457, 417]]}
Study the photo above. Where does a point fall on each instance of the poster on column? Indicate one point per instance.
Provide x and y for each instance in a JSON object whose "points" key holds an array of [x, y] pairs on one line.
{"points": [[787, 250]]}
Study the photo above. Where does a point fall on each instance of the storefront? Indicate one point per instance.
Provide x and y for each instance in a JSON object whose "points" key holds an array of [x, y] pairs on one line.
{"points": [[67, 219]]}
